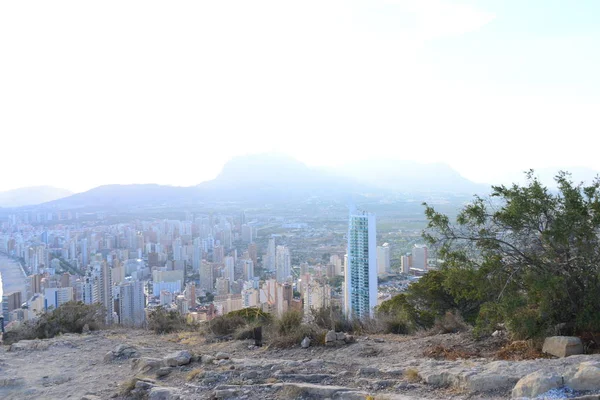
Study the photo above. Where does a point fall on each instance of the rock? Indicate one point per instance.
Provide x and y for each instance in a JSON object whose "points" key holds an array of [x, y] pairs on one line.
{"points": [[146, 364], [29, 345], [378, 340], [164, 371], [563, 346], [536, 383], [178, 358], [121, 352], [163, 393], [587, 377], [226, 394], [305, 343], [249, 375], [496, 333], [222, 356], [330, 337], [90, 397], [311, 378], [206, 359], [322, 391], [85, 329], [340, 335], [365, 371]]}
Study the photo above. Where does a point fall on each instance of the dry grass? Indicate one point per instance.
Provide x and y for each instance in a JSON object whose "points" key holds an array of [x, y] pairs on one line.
{"points": [[440, 352], [271, 380], [520, 350], [193, 374], [126, 387], [412, 375]]}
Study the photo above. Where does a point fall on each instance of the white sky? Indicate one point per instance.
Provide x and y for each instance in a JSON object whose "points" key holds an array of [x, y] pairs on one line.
{"points": [[123, 91]]}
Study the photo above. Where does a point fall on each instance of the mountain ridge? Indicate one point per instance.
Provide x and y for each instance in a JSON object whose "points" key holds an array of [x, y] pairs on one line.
{"points": [[274, 177]]}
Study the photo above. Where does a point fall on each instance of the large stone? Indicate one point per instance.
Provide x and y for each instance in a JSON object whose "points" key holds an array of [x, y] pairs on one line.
{"points": [[178, 358], [163, 393], [330, 337], [164, 371], [146, 364], [366, 371], [29, 345], [535, 384], [121, 352], [206, 359], [563, 346], [587, 377], [222, 356], [305, 344]]}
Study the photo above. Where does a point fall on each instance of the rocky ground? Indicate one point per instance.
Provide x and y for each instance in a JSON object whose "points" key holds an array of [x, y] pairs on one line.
{"points": [[126, 364]]}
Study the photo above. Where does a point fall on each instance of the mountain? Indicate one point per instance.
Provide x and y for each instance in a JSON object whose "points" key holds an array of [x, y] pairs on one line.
{"points": [[31, 195], [276, 178], [410, 176], [115, 196]]}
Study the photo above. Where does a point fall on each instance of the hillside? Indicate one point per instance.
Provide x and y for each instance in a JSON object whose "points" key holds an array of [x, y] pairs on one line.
{"points": [[107, 364], [31, 195]]}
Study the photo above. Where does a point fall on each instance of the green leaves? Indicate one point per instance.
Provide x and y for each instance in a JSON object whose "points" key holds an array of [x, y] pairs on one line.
{"points": [[530, 254]]}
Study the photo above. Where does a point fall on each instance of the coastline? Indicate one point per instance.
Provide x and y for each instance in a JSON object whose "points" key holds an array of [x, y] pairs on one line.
{"points": [[12, 276]]}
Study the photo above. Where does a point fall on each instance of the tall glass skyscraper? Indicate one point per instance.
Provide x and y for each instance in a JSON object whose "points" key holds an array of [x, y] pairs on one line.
{"points": [[360, 293]]}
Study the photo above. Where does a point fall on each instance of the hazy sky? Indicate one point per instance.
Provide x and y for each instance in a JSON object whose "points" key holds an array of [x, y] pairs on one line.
{"points": [[126, 91]]}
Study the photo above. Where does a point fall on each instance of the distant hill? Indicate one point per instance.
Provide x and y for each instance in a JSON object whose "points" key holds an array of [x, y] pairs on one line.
{"points": [[276, 178], [31, 195], [115, 196], [410, 176]]}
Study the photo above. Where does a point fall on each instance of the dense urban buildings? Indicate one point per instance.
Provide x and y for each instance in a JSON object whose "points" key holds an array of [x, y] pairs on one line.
{"points": [[201, 265]]}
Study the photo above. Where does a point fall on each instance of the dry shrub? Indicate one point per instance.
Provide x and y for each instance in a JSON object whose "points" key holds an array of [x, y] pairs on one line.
{"points": [[520, 350], [125, 388], [193, 374], [440, 352], [451, 322], [412, 375]]}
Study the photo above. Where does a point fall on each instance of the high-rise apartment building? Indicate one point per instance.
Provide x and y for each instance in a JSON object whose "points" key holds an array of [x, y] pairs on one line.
{"points": [[383, 259], [360, 295], [270, 256], [419, 256], [132, 304], [283, 263], [55, 297]]}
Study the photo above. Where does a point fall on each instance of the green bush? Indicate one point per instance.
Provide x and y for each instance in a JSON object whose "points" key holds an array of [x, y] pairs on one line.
{"points": [[161, 320], [70, 317], [526, 256]]}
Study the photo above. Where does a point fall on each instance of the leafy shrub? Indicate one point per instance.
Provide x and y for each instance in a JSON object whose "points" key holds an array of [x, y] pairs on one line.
{"points": [[527, 252], [70, 317], [161, 320]]}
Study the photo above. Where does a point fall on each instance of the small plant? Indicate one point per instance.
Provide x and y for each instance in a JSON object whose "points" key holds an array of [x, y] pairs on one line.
{"points": [[127, 387], [412, 375]]}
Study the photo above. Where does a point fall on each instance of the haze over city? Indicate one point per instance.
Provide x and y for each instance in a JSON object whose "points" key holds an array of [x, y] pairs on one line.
{"points": [[149, 92]]}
